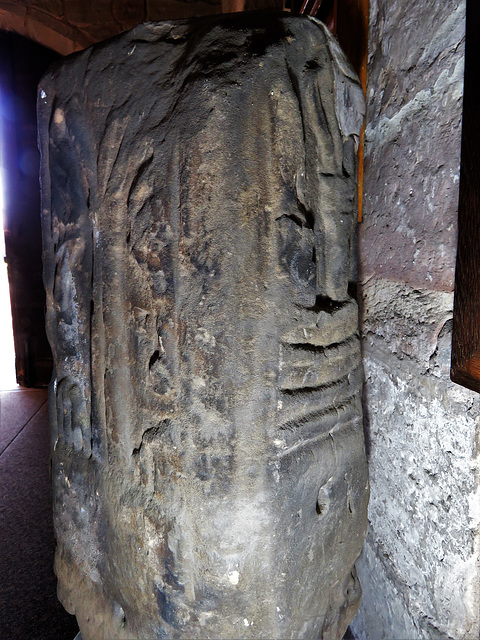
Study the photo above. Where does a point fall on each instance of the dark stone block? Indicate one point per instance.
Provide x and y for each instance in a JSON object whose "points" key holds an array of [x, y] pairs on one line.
{"points": [[199, 217]]}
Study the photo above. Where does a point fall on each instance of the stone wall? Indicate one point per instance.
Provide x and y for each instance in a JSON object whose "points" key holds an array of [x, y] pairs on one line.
{"points": [[420, 569]]}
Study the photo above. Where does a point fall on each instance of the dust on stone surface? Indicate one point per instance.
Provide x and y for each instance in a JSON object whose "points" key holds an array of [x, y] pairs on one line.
{"points": [[216, 200]]}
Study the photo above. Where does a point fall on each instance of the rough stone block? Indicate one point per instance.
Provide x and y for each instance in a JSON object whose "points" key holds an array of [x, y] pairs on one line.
{"points": [[409, 321], [412, 142], [209, 469], [420, 566]]}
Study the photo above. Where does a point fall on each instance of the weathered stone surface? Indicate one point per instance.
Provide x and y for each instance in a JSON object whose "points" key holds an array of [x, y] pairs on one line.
{"points": [[412, 147], [420, 569], [209, 469], [408, 320]]}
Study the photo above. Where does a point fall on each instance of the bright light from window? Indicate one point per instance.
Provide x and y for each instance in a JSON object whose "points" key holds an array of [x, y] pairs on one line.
{"points": [[7, 351]]}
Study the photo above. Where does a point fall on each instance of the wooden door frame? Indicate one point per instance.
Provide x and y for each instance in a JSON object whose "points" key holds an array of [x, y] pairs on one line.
{"points": [[465, 369]]}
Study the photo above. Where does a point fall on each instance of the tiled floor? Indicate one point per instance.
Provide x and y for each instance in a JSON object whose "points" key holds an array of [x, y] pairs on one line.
{"points": [[29, 608]]}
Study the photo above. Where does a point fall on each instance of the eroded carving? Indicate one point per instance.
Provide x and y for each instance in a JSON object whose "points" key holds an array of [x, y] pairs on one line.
{"points": [[199, 219]]}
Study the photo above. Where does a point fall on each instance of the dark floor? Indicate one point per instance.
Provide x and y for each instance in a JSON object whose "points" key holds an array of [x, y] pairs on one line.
{"points": [[29, 608]]}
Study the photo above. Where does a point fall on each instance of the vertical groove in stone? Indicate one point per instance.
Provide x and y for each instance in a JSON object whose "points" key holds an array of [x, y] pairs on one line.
{"points": [[199, 177]]}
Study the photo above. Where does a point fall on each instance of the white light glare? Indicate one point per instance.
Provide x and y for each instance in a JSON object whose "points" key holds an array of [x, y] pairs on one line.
{"points": [[7, 351]]}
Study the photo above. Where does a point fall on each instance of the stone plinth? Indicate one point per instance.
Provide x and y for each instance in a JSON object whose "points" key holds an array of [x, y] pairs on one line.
{"points": [[209, 469]]}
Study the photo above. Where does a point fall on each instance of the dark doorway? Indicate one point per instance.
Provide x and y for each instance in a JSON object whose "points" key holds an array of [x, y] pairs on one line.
{"points": [[29, 607], [22, 63]]}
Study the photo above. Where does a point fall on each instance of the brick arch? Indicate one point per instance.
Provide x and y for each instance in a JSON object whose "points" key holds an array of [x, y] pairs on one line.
{"points": [[70, 25], [41, 27]]}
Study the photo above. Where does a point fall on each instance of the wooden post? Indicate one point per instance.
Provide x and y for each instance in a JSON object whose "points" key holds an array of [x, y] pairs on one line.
{"points": [[466, 316]]}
